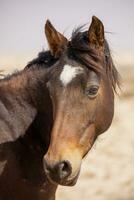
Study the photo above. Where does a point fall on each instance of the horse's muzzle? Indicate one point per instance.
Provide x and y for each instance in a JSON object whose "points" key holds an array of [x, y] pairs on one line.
{"points": [[58, 173]]}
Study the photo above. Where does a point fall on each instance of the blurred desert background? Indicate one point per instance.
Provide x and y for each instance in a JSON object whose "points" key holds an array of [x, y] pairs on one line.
{"points": [[107, 172]]}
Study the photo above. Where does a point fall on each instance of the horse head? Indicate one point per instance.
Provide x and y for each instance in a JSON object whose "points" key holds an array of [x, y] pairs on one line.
{"points": [[81, 87]]}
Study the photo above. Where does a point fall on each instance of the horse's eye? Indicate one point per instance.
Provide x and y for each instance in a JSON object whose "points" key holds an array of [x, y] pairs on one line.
{"points": [[92, 91]]}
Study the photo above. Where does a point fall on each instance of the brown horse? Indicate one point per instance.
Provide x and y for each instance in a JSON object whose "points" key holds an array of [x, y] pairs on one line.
{"points": [[52, 112]]}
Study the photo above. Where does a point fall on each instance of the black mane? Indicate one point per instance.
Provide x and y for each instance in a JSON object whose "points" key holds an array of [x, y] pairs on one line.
{"points": [[81, 51], [44, 59]]}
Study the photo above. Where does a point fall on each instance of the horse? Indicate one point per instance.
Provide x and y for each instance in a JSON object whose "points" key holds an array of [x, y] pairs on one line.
{"points": [[53, 111]]}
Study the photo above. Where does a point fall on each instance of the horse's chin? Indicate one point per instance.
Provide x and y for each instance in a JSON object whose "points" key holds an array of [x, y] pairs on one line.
{"points": [[70, 181]]}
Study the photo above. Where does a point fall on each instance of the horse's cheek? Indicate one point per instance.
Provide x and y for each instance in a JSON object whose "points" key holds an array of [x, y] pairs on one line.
{"points": [[104, 110]]}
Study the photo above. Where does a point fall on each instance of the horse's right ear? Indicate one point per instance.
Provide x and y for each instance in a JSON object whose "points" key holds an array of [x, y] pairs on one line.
{"points": [[56, 41]]}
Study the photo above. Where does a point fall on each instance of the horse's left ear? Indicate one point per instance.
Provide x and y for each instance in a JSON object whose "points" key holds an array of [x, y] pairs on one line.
{"points": [[56, 41], [96, 33]]}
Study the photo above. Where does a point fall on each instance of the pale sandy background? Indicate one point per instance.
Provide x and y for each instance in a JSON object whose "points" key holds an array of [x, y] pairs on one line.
{"points": [[108, 171]]}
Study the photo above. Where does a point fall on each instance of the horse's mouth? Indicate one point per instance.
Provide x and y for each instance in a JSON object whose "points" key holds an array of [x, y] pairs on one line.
{"points": [[70, 181]]}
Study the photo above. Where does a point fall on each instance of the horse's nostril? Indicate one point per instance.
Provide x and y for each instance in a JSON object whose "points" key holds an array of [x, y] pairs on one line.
{"points": [[59, 171], [64, 169]]}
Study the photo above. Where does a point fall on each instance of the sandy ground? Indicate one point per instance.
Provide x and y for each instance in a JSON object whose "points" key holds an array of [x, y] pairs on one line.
{"points": [[108, 171]]}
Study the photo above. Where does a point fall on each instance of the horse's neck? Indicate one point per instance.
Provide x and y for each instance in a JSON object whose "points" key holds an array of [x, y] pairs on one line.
{"points": [[18, 103]]}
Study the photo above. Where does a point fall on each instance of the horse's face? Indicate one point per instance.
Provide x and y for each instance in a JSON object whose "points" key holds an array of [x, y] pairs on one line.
{"points": [[82, 109], [79, 99]]}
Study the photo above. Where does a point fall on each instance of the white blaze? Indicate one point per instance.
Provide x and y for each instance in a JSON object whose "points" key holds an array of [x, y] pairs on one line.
{"points": [[68, 73]]}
